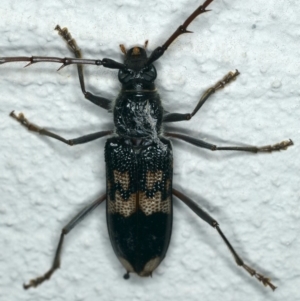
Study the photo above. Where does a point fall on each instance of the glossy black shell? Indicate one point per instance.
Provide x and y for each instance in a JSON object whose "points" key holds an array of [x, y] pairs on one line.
{"points": [[139, 202], [139, 164]]}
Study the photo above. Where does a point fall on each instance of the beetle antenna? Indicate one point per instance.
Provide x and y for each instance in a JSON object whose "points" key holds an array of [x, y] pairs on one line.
{"points": [[146, 44], [123, 49], [159, 51]]}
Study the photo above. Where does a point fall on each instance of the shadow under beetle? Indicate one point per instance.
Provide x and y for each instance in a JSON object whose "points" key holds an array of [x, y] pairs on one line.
{"points": [[138, 158]]}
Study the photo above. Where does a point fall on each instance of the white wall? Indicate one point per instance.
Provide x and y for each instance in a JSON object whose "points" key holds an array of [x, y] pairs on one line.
{"points": [[255, 198]]}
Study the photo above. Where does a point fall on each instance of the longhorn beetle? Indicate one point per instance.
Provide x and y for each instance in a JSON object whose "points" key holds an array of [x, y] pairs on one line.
{"points": [[138, 156]]}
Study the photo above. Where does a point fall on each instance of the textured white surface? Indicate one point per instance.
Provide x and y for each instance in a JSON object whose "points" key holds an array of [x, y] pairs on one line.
{"points": [[255, 198]]}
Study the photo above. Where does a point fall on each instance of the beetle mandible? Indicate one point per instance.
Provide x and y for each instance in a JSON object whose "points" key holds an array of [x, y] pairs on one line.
{"points": [[138, 157]]}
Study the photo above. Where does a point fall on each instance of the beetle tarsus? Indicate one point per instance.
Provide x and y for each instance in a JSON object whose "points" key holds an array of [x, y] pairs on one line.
{"points": [[66, 35], [226, 79], [35, 282], [21, 118], [261, 278], [283, 145]]}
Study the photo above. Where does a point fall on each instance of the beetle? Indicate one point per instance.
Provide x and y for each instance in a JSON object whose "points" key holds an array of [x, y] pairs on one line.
{"points": [[138, 157]]}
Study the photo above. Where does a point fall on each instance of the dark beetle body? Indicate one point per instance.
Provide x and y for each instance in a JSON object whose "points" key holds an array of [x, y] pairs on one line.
{"points": [[139, 171], [139, 201]]}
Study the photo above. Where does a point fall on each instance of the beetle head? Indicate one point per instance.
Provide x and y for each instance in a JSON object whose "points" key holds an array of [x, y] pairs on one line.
{"points": [[137, 73], [135, 58]]}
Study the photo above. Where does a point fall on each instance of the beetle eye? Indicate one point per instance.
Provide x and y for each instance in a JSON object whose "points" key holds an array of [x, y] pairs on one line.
{"points": [[125, 76], [149, 73]]}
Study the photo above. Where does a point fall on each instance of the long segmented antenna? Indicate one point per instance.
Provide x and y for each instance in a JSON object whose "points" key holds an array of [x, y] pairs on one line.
{"points": [[159, 51], [107, 63]]}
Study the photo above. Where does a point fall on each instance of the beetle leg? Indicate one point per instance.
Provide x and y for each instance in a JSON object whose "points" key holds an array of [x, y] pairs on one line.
{"points": [[207, 218], [173, 117], [283, 145], [80, 140], [159, 51], [56, 263], [97, 100]]}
